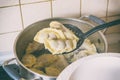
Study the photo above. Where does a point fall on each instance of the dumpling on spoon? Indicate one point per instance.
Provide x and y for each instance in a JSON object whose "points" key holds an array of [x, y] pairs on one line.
{"points": [[57, 46], [68, 33], [57, 38], [48, 33]]}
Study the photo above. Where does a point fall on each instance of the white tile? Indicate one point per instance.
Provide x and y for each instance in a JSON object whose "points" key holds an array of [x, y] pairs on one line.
{"points": [[114, 7], [94, 7], [10, 19], [31, 1], [8, 2], [35, 12], [66, 8], [7, 41]]}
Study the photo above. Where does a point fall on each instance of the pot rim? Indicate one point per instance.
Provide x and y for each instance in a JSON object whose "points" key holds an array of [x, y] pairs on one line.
{"points": [[41, 75]]}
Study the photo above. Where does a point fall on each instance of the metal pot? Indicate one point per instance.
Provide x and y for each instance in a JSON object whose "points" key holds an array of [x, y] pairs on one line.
{"points": [[27, 35]]}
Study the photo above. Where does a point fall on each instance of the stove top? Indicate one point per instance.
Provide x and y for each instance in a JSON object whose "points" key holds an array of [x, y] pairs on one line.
{"points": [[3, 57], [4, 75]]}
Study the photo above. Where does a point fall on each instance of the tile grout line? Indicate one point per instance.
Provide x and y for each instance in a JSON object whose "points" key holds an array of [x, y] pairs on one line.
{"points": [[51, 8], [21, 15], [80, 8], [24, 3], [107, 9], [106, 18], [10, 32], [9, 6], [35, 2]]}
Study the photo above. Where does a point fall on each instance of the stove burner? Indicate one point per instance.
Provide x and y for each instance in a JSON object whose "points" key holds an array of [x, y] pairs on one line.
{"points": [[4, 75]]}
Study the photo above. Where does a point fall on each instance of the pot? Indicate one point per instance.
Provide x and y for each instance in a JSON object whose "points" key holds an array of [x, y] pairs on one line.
{"points": [[27, 35]]}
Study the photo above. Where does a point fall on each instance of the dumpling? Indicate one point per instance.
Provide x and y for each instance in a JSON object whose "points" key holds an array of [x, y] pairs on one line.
{"points": [[33, 47], [55, 68], [55, 46], [61, 63], [37, 71], [47, 59], [52, 71], [56, 25], [68, 33], [48, 33], [57, 39], [38, 65], [89, 47], [28, 60]]}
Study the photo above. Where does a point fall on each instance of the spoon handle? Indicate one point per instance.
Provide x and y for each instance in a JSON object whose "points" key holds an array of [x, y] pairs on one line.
{"points": [[101, 27]]}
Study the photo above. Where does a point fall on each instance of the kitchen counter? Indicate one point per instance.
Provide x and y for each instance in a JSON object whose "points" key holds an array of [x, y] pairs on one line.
{"points": [[113, 42], [113, 36]]}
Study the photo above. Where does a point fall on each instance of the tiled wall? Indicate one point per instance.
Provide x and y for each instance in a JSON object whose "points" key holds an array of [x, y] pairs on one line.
{"points": [[15, 15]]}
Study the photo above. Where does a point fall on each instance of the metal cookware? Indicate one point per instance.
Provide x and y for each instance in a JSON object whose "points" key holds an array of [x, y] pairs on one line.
{"points": [[27, 35]]}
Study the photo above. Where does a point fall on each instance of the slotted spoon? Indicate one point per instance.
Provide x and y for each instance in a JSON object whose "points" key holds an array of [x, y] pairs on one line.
{"points": [[82, 36]]}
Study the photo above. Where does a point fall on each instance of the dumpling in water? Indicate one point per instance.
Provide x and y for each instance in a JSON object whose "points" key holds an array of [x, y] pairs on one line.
{"points": [[52, 71], [55, 68], [45, 60], [37, 71], [28, 60], [33, 46], [61, 63]]}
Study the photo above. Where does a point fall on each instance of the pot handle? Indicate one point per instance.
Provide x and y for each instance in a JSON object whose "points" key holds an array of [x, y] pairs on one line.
{"points": [[10, 69], [94, 19]]}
